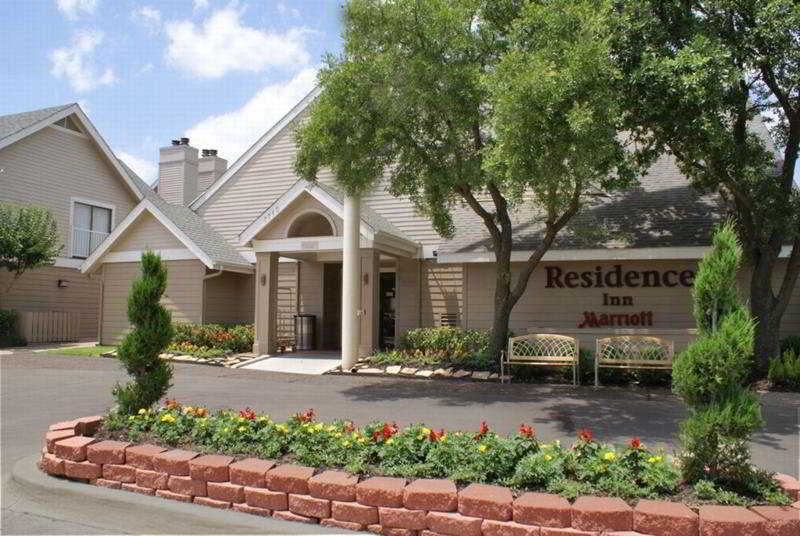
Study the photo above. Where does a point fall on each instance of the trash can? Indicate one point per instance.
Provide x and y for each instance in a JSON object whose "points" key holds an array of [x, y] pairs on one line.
{"points": [[304, 332]]}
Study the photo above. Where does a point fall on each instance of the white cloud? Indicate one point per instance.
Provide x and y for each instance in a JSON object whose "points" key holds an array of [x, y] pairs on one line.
{"points": [[222, 44], [200, 5], [77, 64], [149, 17], [234, 132], [72, 8], [283, 9], [146, 169]]}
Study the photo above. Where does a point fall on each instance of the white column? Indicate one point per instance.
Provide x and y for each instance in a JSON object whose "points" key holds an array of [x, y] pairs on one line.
{"points": [[266, 313], [351, 282]]}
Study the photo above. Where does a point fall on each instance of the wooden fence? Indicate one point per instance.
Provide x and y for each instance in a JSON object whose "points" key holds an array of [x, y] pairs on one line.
{"points": [[49, 326]]}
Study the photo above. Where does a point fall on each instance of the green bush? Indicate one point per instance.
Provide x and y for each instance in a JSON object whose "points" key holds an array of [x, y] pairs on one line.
{"points": [[9, 329], [445, 346], [784, 371], [227, 338], [711, 374], [140, 349]]}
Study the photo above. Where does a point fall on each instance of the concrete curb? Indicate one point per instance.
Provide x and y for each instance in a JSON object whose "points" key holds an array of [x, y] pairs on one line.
{"points": [[116, 508]]}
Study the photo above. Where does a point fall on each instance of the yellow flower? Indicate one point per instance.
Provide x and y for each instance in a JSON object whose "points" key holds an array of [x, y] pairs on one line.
{"points": [[547, 457], [239, 419], [317, 427], [346, 443], [226, 429], [282, 428], [420, 436], [167, 418], [362, 440], [482, 448], [654, 459], [131, 417], [187, 409], [443, 439], [142, 411], [609, 456], [426, 431], [242, 428], [330, 428], [389, 441]]}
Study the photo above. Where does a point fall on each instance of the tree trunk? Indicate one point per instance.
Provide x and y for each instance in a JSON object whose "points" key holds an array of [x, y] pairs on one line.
{"points": [[502, 312], [767, 310]]}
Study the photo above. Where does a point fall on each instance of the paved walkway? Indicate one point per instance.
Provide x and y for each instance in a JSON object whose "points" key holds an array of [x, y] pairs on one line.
{"points": [[312, 362], [41, 389]]}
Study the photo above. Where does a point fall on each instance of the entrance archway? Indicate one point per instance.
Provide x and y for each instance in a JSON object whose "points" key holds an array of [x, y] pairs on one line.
{"points": [[310, 224]]}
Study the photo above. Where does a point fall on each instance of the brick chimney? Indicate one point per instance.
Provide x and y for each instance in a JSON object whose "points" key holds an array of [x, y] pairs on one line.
{"points": [[177, 172], [209, 168]]}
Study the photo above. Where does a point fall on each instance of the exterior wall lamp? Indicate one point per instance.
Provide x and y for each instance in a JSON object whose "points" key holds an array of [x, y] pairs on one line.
{"points": [[63, 283]]}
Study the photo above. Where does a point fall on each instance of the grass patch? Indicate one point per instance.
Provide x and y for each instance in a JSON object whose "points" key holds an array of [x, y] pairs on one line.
{"points": [[82, 351]]}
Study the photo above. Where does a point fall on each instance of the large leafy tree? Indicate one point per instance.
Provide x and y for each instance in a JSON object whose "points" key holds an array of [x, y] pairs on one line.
{"points": [[28, 240], [698, 75], [488, 104]]}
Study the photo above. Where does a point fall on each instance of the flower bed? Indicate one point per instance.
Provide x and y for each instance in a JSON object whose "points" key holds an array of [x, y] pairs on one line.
{"points": [[211, 340], [382, 505]]}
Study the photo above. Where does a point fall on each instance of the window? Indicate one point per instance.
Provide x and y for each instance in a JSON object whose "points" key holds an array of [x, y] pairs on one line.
{"points": [[90, 226]]}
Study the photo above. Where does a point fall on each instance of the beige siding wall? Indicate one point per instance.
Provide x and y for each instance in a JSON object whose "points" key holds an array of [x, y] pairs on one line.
{"points": [[442, 293], [38, 290], [407, 292], [309, 293], [221, 299], [270, 173], [183, 297], [147, 233], [563, 308], [50, 166]]}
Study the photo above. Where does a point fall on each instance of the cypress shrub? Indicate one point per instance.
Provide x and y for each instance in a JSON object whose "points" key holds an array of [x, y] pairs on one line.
{"points": [[140, 349], [711, 374]]}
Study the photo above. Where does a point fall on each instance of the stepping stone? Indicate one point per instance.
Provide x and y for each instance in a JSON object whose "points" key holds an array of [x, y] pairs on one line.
{"points": [[446, 372], [462, 374], [481, 375], [425, 373], [394, 369], [409, 371]]}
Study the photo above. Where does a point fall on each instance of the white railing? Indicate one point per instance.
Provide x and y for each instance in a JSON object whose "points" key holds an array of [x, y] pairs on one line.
{"points": [[84, 241]]}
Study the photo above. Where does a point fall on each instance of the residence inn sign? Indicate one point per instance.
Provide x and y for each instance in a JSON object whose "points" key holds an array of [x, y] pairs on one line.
{"points": [[617, 278]]}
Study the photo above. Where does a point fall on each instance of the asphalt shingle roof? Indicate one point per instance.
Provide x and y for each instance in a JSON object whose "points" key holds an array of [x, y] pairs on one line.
{"points": [[201, 233], [664, 210], [11, 124]]}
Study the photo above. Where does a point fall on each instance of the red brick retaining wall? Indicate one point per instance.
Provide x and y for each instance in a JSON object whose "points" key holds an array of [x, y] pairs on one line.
{"points": [[383, 505]]}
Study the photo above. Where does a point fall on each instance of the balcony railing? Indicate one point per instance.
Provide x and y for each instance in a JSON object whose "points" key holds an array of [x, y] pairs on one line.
{"points": [[84, 241]]}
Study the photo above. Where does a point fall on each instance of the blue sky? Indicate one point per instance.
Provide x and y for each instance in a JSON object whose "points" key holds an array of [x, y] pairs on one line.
{"points": [[221, 72]]}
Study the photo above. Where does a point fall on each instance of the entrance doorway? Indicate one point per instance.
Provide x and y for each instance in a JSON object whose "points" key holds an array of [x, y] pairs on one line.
{"points": [[332, 306], [387, 295]]}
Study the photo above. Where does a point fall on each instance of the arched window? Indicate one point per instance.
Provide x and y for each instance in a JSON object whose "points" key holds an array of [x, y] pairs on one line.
{"points": [[310, 224]]}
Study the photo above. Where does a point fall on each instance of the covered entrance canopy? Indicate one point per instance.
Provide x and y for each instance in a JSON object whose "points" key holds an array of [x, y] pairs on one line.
{"points": [[315, 223]]}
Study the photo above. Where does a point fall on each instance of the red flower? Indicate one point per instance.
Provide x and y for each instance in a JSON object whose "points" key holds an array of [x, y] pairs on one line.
{"points": [[389, 430], [306, 416], [172, 404], [482, 431], [435, 436], [247, 413], [635, 443], [526, 431], [585, 434], [349, 427]]}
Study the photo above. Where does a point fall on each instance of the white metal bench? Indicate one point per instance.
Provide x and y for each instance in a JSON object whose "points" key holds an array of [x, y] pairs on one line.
{"points": [[542, 350], [633, 352]]}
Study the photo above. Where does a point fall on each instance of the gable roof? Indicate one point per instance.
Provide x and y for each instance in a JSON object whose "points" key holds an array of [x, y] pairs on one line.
{"points": [[198, 236], [15, 127], [276, 129], [331, 198]]}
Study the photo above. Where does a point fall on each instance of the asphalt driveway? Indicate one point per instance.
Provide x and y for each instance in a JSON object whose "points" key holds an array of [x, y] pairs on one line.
{"points": [[38, 390]]}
